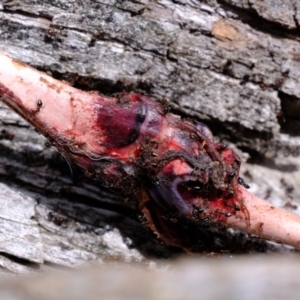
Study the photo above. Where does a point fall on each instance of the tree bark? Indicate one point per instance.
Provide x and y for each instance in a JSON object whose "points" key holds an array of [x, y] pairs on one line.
{"points": [[231, 64]]}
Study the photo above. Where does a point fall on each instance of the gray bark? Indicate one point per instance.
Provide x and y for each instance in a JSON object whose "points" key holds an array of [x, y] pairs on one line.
{"points": [[232, 64]]}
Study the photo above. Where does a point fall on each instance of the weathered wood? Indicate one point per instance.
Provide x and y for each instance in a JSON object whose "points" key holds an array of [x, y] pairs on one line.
{"points": [[204, 57], [231, 64]]}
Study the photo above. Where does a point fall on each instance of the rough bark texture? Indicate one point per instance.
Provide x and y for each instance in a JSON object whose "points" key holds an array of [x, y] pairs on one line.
{"points": [[232, 64]]}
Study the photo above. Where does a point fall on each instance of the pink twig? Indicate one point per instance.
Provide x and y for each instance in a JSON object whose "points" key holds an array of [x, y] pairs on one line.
{"points": [[180, 177], [268, 221]]}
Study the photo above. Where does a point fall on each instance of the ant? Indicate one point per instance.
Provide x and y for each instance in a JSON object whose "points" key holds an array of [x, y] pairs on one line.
{"points": [[39, 105]]}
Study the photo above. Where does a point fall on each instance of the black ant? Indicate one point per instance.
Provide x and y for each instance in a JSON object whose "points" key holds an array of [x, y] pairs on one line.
{"points": [[243, 183], [39, 105]]}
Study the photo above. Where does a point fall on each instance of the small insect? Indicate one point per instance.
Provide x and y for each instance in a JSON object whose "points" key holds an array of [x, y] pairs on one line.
{"points": [[165, 105], [56, 218], [99, 34], [47, 144], [243, 183], [231, 175], [54, 36], [39, 105]]}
